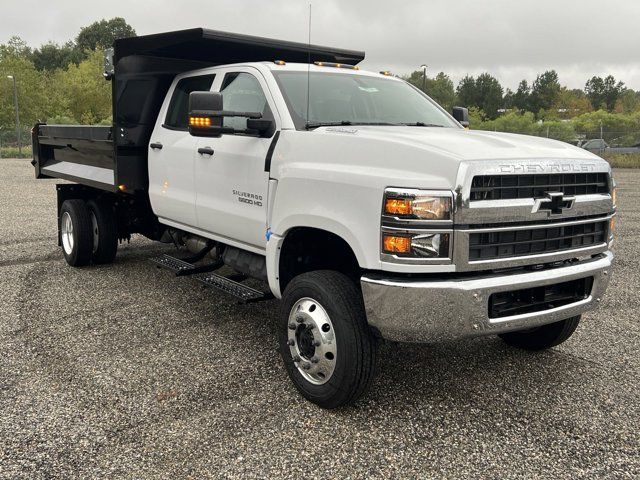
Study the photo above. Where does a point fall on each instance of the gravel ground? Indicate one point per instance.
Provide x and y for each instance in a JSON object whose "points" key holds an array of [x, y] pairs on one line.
{"points": [[122, 371]]}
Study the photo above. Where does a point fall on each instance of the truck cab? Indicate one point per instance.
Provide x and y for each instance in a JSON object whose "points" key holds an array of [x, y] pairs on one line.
{"points": [[369, 211]]}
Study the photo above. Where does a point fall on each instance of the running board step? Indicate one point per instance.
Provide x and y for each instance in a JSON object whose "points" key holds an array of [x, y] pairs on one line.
{"points": [[182, 267], [244, 293], [172, 263]]}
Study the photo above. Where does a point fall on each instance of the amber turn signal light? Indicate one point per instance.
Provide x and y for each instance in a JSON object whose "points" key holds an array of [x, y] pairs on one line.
{"points": [[397, 206], [396, 244], [200, 121]]}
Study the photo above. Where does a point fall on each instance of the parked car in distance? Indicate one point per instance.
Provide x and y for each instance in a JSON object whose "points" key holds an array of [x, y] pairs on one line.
{"points": [[599, 146]]}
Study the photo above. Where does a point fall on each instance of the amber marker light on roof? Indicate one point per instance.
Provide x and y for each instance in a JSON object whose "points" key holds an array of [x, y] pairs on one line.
{"points": [[396, 244], [280, 62]]}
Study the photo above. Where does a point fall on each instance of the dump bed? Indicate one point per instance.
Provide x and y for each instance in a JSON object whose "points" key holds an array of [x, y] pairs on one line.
{"points": [[141, 70], [77, 153]]}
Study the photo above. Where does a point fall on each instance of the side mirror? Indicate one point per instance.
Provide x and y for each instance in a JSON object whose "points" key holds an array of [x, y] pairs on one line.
{"points": [[205, 114], [461, 114]]}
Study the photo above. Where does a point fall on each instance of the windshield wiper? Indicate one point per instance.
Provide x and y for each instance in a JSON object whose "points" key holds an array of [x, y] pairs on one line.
{"points": [[311, 125], [421, 124]]}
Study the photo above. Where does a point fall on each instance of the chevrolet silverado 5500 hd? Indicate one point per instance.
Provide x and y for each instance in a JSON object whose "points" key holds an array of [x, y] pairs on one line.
{"points": [[368, 210]]}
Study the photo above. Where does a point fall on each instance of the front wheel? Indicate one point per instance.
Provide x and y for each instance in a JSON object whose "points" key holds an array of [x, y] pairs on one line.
{"points": [[543, 337], [326, 344]]}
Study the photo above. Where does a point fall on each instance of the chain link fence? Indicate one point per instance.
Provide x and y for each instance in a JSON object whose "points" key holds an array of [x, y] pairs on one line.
{"points": [[9, 147]]}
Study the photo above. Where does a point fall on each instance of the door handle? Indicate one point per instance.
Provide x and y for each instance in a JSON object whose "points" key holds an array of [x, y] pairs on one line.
{"points": [[156, 146], [205, 151]]}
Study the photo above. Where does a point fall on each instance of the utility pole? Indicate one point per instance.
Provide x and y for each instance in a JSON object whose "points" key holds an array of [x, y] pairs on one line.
{"points": [[601, 136], [15, 104], [424, 78]]}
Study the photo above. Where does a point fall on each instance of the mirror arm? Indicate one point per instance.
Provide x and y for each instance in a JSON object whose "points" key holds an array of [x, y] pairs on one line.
{"points": [[224, 113]]}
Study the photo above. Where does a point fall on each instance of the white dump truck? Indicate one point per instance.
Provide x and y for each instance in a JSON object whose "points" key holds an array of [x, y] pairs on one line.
{"points": [[365, 208]]}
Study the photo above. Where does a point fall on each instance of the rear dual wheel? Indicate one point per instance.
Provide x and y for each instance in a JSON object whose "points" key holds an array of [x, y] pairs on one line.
{"points": [[88, 232]]}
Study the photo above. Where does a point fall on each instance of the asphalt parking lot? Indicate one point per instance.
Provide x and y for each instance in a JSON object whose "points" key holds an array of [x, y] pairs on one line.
{"points": [[123, 371]]}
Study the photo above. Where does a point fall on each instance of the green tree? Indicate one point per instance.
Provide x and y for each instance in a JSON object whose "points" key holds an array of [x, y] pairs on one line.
{"points": [[571, 103], [15, 47], [87, 94], [489, 95], [484, 92], [466, 92], [507, 100], [545, 91], [629, 101], [522, 96], [52, 56], [612, 91], [594, 88], [102, 34], [439, 88], [32, 87], [603, 92]]}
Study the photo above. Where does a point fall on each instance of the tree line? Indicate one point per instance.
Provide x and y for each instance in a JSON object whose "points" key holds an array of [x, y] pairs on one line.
{"points": [[62, 83], [59, 83], [545, 97]]}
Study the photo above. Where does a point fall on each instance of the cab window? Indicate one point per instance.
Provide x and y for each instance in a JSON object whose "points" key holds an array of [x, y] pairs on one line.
{"points": [[178, 113], [242, 93]]}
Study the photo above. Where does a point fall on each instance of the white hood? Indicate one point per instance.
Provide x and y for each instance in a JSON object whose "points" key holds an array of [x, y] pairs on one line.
{"points": [[459, 144]]}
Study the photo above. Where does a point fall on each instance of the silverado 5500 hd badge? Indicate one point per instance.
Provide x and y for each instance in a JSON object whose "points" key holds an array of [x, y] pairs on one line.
{"points": [[249, 198]]}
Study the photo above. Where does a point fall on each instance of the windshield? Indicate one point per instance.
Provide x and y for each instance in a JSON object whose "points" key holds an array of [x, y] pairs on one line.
{"points": [[351, 99]]}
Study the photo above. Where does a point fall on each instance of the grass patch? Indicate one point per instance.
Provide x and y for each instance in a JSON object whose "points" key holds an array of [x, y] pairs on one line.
{"points": [[12, 152], [623, 160]]}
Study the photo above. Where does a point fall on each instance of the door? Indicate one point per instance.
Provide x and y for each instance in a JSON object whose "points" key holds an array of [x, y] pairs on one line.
{"points": [[231, 182], [172, 156]]}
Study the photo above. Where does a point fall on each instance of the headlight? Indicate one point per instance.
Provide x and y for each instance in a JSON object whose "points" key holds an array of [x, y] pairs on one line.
{"points": [[418, 204]]}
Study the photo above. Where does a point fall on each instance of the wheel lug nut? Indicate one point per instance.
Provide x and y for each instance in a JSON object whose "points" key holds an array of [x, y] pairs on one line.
{"points": [[291, 342], [306, 366], [311, 326], [296, 359], [316, 343], [315, 360], [300, 319], [292, 326]]}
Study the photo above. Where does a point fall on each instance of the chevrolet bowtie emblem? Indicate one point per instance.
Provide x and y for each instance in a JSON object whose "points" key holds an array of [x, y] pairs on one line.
{"points": [[554, 203]]}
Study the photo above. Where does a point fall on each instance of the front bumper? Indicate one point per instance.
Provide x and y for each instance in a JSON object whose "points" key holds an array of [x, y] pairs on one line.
{"points": [[418, 310]]}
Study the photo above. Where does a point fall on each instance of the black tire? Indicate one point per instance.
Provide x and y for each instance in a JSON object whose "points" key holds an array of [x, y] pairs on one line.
{"points": [[543, 337], [105, 232], [356, 347], [78, 244]]}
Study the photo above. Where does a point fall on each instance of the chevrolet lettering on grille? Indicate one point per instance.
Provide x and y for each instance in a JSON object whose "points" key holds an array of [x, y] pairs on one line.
{"points": [[554, 203]]}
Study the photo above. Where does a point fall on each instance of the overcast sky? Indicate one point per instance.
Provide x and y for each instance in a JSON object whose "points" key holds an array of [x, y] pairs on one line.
{"points": [[512, 39]]}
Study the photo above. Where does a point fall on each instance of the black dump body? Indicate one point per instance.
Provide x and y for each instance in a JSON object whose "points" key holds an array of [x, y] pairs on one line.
{"points": [[115, 158]]}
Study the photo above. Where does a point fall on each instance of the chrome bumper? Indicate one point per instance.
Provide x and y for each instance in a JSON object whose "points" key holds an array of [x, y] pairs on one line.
{"points": [[418, 310]]}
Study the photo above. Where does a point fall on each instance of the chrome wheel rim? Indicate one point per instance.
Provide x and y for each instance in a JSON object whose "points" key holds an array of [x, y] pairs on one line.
{"points": [[66, 232], [94, 229], [312, 341]]}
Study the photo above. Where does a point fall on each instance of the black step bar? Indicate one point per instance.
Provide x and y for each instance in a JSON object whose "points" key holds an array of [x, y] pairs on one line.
{"points": [[204, 274]]}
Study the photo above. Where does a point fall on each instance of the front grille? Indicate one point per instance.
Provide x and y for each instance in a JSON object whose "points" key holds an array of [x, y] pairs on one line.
{"points": [[535, 241], [508, 187], [538, 299]]}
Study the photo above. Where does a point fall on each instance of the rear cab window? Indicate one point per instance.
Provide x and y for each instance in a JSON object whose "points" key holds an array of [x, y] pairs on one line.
{"points": [[178, 111]]}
